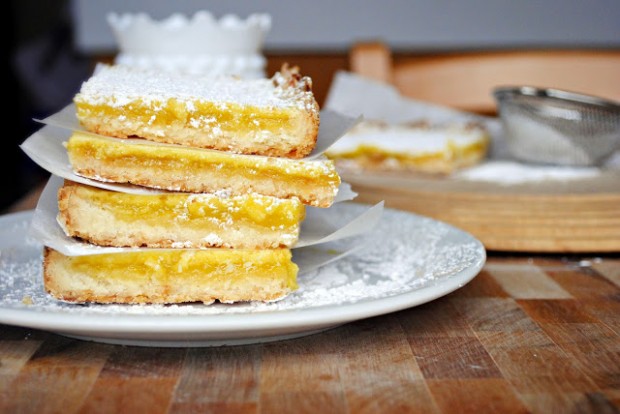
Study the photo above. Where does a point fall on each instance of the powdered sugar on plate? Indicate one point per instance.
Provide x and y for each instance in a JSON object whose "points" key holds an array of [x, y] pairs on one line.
{"points": [[405, 261], [511, 172]]}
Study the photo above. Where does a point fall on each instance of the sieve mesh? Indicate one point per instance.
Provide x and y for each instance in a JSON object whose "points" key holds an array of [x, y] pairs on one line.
{"points": [[558, 127]]}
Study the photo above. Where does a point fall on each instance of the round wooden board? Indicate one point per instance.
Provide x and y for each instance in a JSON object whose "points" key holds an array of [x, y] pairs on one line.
{"points": [[553, 216]]}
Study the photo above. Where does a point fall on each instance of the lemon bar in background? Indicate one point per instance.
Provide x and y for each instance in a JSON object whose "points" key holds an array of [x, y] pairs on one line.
{"points": [[377, 146], [178, 220], [171, 276], [184, 169], [276, 117]]}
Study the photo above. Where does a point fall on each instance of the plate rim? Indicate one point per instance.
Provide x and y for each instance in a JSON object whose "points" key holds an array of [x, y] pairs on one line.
{"points": [[100, 325]]}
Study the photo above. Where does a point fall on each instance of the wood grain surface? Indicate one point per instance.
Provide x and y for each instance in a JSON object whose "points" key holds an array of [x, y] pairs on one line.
{"points": [[552, 216], [530, 334]]}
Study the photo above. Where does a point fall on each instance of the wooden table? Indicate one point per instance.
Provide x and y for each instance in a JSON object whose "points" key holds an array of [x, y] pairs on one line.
{"points": [[530, 333]]}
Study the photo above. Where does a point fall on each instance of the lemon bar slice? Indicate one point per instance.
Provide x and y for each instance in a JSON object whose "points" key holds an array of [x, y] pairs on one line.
{"points": [[178, 220], [171, 276], [178, 168], [375, 146], [277, 117]]}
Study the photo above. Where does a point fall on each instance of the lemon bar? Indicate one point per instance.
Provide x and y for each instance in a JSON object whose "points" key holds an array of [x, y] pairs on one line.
{"points": [[178, 168], [178, 220], [171, 276], [376, 146], [276, 117]]}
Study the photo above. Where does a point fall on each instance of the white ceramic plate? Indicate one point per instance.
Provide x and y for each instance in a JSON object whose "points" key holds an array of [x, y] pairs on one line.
{"points": [[406, 261]]}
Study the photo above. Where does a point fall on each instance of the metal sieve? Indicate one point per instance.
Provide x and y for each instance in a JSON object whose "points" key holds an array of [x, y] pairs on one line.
{"points": [[552, 126]]}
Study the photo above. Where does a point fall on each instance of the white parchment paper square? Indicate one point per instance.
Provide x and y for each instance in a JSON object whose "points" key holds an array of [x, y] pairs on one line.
{"points": [[318, 227]]}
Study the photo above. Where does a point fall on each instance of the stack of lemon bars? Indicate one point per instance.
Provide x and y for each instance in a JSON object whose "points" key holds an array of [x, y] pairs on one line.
{"points": [[227, 158]]}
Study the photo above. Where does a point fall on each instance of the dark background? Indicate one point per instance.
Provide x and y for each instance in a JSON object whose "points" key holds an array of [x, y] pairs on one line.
{"points": [[44, 72]]}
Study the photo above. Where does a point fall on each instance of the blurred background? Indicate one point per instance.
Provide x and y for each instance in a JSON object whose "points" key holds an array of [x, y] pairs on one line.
{"points": [[54, 44]]}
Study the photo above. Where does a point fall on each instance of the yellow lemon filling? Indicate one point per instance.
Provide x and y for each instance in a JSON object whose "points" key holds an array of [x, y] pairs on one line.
{"points": [[90, 155], [200, 211], [452, 152], [216, 119], [215, 266], [171, 276]]}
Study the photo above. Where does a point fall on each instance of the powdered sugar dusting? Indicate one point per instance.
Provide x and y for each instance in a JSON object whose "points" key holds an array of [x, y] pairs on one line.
{"points": [[403, 254], [21, 267], [511, 172], [120, 86]]}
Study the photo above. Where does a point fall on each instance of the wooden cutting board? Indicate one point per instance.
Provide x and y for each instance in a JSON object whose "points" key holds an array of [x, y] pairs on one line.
{"points": [[577, 215]]}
